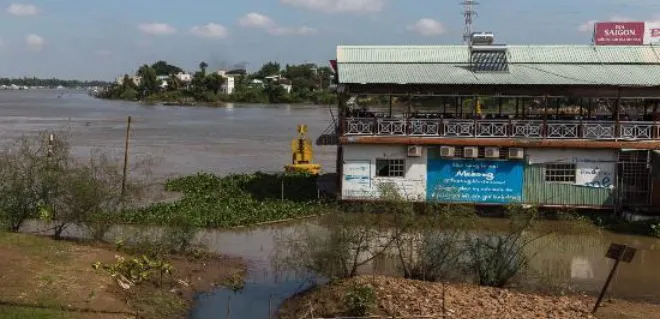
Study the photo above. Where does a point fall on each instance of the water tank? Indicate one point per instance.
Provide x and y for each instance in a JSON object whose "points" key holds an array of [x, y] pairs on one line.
{"points": [[482, 38]]}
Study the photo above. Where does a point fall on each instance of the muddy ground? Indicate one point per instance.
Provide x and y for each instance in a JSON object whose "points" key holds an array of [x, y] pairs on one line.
{"points": [[404, 298], [44, 278]]}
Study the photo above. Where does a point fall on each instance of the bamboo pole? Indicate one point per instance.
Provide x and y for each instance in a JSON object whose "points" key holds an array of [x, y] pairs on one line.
{"points": [[125, 172]]}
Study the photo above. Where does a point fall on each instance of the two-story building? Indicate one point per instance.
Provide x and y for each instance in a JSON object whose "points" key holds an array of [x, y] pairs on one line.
{"points": [[547, 125]]}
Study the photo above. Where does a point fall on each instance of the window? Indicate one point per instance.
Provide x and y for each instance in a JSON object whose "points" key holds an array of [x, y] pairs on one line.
{"points": [[561, 173], [390, 167]]}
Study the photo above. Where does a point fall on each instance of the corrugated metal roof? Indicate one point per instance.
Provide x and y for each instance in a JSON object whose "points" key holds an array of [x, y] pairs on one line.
{"points": [[519, 74], [516, 54]]}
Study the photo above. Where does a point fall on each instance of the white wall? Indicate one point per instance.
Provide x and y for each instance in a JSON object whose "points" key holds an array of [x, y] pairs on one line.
{"points": [[592, 166], [360, 160]]}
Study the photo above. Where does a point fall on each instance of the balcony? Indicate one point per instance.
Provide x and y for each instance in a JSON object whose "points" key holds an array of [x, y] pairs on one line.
{"points": [[513, 128]]}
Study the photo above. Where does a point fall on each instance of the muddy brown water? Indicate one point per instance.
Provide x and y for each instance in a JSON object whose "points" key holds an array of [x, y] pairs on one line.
{"points": [[243, 138], [184, 140]]}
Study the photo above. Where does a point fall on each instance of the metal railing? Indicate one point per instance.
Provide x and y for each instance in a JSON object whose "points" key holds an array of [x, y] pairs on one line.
{"points": [[459, 128]]}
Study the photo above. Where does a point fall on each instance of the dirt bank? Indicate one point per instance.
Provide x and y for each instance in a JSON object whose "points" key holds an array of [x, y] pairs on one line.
{"points": [[413, 299], [44, 278]]}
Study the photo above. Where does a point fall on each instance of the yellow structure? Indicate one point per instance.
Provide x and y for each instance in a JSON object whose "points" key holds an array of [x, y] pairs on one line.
{"points": [[301, 148]]}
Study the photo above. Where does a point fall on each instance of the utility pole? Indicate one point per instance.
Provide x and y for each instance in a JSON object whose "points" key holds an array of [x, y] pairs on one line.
{"points": [[468, 13]]}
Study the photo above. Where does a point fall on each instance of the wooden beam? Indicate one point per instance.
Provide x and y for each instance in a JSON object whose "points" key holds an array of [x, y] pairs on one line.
{"points": [[501, 142]]}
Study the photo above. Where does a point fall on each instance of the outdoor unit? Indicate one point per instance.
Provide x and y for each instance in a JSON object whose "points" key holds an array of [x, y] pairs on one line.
{"points": [[492, 152], [414, 151], [516, 153], [447, 151], [471, 152]]}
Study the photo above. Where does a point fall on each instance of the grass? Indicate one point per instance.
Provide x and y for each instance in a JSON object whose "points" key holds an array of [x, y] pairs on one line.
{"points": [[14, 312], [46, 278], [210, 201]]}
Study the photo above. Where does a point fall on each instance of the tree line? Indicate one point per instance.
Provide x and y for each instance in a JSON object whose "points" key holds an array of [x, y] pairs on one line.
{"points": [[51, 83], [309, 83]]}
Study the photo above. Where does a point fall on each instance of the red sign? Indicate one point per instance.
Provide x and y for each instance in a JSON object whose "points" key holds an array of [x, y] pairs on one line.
{"points": [[655, 33], [333, 64], [619, 33]]}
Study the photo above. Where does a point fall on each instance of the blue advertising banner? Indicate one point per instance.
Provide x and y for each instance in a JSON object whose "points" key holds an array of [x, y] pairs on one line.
{"points": [[478, 181]]}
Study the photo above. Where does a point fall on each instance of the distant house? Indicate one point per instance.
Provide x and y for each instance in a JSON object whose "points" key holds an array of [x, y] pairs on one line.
{"points": [[136, 79], [285, 83], [164, 81], [184, 77], [229, 83]]}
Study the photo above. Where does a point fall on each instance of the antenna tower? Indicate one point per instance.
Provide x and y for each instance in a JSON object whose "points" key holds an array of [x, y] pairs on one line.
{"points": [[468, 13]]}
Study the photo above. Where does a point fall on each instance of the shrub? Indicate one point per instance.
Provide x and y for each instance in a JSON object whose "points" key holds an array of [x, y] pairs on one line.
{"points": [[359, 300]]}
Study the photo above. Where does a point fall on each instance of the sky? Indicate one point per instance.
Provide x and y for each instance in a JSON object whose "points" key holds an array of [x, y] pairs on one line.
{"points": [[83, 39]]}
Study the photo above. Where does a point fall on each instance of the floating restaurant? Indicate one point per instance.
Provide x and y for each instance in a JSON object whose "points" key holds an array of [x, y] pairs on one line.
{"points": [[545, 125]]}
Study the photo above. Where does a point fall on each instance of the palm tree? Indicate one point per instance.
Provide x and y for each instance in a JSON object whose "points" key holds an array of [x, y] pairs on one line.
{"points": [[203, 66]]}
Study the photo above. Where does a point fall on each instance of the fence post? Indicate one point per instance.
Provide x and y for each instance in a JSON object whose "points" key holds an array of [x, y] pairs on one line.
{"points": [[123, 179], [228, 306], [270, 306]]}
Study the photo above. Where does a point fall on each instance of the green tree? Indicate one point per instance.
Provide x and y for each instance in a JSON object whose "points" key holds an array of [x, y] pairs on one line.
{"points": [[149, 83], [163, 68], [214, 82], [173, 83], [270, 68], [203, 66]]}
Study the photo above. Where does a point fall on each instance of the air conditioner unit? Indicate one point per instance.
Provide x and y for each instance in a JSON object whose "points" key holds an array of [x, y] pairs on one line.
{"points": [[414, 151], [492, 152], [516, 153], [471, 152], [447, 151]]}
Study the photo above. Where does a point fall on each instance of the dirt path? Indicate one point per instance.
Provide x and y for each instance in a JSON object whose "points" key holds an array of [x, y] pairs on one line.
{"points": [[44, 278], [412, 299]]}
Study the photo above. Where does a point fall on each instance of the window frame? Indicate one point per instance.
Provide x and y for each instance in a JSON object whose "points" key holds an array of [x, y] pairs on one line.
{"points": [[562, 173], [399, 169]]}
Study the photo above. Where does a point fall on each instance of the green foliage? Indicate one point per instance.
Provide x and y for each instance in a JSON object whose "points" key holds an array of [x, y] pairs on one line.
{"points": [[359, 300], [51, 83], [135, 270], [655, 229], [309, 84], [217, 202], [163, 68]]}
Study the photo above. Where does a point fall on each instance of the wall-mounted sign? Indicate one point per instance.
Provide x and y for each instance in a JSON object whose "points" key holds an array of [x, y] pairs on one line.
{"points": [[357, 179], [652, 33], [479, 181]]}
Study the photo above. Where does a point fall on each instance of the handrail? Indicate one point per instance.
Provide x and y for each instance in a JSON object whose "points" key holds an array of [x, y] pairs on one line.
{"points": [[498, 128]]}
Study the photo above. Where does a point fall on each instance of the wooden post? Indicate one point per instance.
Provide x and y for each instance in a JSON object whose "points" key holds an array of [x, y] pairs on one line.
{"points": [[125, 172], [228, 306], [609, 279], [545, 116], [517, 105], [390, 106], [270, 306], [653, 117]]}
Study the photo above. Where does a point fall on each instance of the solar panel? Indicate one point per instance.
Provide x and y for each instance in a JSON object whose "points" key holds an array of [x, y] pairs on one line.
{"points": [[489, 61]]}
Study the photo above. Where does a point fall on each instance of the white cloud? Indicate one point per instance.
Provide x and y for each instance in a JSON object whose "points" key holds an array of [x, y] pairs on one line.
{"points": [[22, 10], [34, 42], [259, 21], [292, 31], [210, 30], [427, 27], [336, 6], [256, 20], [156, 28]]}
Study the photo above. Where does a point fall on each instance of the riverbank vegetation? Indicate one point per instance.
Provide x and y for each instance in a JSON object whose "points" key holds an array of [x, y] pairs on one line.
{"points": [[50, 83], [153, 275], [272, 83]]}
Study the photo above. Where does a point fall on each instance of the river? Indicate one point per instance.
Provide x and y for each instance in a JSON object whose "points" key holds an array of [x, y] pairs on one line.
{"points": [[183, 140], [240, 138]]}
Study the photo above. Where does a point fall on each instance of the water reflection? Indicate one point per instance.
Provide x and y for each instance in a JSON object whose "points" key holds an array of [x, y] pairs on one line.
{"points": [[563, 261]]}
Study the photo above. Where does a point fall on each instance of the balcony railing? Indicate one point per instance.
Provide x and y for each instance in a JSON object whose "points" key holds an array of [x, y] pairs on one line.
{"points": [[456, 128]]}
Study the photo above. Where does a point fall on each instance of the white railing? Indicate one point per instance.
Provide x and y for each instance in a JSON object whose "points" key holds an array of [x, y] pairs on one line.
{"points": [[534, 129]]}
